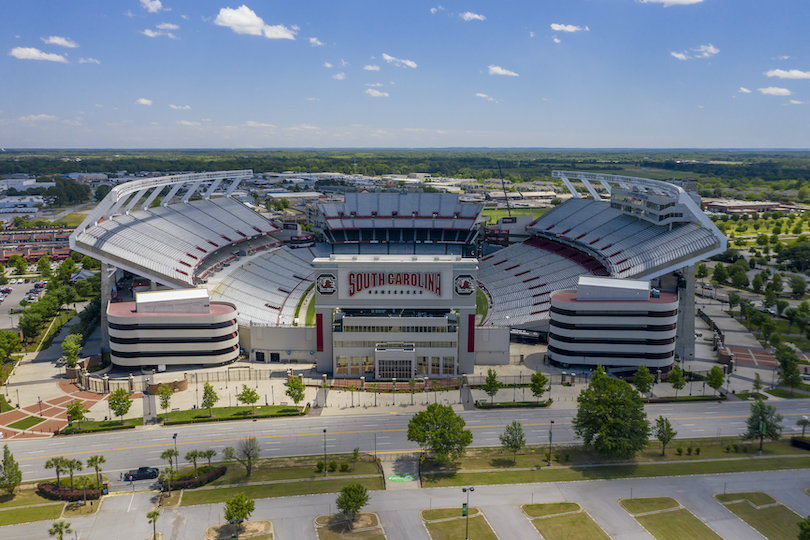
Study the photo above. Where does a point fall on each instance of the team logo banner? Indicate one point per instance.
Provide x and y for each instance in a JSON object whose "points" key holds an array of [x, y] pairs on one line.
{"points": [[326, 284], [464, 284]]}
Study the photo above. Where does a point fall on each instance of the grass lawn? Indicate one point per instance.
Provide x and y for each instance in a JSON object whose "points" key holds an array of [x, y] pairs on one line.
{"points": [[444, 513], [265, 471], [481, 303], [74, 509], [341, 532], [642, 506], [613, 471], [26, 423], [25, 495], [36, 513], [785, 394], [676, 525], [494, 214], [550, 509], [104, 425], [4, 406], [230, 413], [578, 526], [757, 498], [773, 522], [311, 312], [331, 485], [454, 529]]}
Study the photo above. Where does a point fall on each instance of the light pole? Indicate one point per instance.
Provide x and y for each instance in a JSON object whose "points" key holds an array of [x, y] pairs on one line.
{"points": [[175, 449], [550, 428], [324, 451], [467, 490]]}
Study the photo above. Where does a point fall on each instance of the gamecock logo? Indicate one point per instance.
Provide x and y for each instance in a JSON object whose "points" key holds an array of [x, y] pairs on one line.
{"points": [[327, 284], [465, 284]]}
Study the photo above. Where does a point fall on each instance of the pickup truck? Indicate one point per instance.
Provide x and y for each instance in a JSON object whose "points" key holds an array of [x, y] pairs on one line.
{"points": [[141, 473]]}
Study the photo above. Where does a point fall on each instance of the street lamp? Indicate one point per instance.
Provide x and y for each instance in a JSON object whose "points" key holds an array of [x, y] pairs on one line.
{"points": [[550, 428], [324, 451], [40, 405], [466, 509], [175, 449]]}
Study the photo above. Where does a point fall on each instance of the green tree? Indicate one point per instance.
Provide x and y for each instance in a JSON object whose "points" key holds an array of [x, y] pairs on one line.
{"points": [[491, 384], [250, 397], [10, 474], [441, 431], [763, 423], [664, 432], [720, 274], [238, 509], [209, 455], [95, 462], [73, 465], [513, 438], [169, 454], [65, 270], [295, 389], [643, 379], [355, 456], [798, 285], [19, 264], [164, 394], [167, 475], [76, 412], [538, 384], [803, 423], [715, 378], [59, 529], [210, 397], [701, 271], [739, 280], [120, 401], [733, 300], [781, 306], [791, 376], [193, 456], [610, 417], [770, 298], [58, 464], [44, 266], [804, 529], [677, 379], [757, 384], [30, 322], [153, 516], [246, 453], [757, 283], [352, 499]]}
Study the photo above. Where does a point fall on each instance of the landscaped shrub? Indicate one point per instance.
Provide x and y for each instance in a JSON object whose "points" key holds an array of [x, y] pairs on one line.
{"points": [[333, 465], [679, 450], [736, 447], [557, 456], [689, 451], [697, 451], [567, 455], [548, 456], [728, 448], [320, 465], [55, 493], [344, 466], [201, 480]]}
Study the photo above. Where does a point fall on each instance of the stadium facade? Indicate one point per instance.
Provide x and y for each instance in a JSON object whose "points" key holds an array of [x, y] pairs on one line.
{"points": [[390, 273]]}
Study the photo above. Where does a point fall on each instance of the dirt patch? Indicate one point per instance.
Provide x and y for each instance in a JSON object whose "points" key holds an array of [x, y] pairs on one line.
{"points": [[361, 521], [249, 529]]}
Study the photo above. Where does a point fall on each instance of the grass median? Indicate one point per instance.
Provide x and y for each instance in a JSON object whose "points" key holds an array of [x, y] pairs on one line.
{"points": [[579, 526], [26, 423], [676, 525], [773, 522], [14, 516], [228, 413], [291, 469], [455, 529], [104, 425], [266, 491]]}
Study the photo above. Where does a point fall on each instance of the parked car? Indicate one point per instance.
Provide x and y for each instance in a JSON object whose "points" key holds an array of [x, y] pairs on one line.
{"points": [[141, 473]]}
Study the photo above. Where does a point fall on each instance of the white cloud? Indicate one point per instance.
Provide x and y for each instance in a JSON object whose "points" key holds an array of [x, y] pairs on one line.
{"points": [[313, 99], [129, 13], [791, 74], [568, 28], [470, 16], [187, 123], [327, 65], [774, 91], [168, 26], [744, 90], [151, 33], [99, 105], [184, 17], [797, 102], [315, 42], [37, 118], [371, 68], [30, 53], [398, 62], [680, 56], [486, 97], [706, 51], [556, 39], [143, 101], [436, 9], [668, 3], [61, 41], [88, 61], [339, 76], [152, 6], [498, 70], [781, 58], [251, 123], [531, 34], [181, 107], [244, 20], [344, 63], [376, 93], [374, 84]]}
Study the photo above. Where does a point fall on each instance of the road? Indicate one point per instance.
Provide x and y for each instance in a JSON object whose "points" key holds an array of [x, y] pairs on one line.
{"points": [[124, 450]]}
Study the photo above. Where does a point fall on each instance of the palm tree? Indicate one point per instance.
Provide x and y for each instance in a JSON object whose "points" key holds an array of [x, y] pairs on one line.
{"points": [[803, 423], [208, 454], [169, 454], [57, 463], [60, 528], [168, 474], [95, 462], [73, 465], [153, 517], [193, 456]]}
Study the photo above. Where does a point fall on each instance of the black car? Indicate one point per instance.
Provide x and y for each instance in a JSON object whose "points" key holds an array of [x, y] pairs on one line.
{"points": [[141, 473]]}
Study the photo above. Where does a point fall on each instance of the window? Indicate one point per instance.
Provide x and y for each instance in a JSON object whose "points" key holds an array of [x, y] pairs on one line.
{"points": [[342, 365], [395, 369], [448, 365], [368, 364], [435, 367], [354, 367], [422, 365]]}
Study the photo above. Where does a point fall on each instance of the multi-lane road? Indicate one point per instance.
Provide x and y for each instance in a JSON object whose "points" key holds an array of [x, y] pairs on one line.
{"points": [[384, 433]]}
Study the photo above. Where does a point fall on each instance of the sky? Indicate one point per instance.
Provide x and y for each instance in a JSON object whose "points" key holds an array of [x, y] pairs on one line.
{"points": [[415, 74]]}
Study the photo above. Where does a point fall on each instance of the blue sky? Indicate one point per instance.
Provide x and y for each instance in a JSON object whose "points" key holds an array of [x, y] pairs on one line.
{"points": [[365, 73]]}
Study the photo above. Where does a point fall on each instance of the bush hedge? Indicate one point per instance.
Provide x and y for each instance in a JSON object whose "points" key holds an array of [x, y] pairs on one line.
{"points": [[801, 442], [201, 480], [57, 493], [511, 404]]}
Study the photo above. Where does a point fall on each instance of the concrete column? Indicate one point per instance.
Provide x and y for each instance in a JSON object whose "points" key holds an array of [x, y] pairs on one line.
{"points": [[107, 282], [362, 382], [573, 378], [685, 339]]}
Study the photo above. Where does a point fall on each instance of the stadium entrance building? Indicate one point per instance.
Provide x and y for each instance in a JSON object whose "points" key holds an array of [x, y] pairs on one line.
{"points": [[394, 316]]}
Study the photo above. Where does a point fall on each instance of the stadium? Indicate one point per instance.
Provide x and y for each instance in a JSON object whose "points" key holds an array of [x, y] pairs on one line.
{"points": [[394, 283]]}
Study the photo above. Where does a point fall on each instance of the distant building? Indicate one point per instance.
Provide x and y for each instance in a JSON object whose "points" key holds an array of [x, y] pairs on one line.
{"points": [[21, 201]]}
